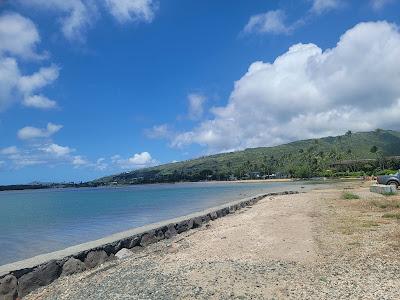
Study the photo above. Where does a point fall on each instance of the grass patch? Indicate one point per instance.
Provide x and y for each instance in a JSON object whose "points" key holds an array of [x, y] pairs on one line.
{"points": [[350, 196], [368, 224], [389, 194], [392, 216], [386, 204]]}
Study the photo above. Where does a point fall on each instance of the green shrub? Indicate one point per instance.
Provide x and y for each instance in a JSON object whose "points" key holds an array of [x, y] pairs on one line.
{"points": [[350, 196], [392, 216]]}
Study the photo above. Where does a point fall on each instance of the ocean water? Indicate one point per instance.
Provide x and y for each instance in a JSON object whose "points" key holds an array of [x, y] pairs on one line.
{"points": [[41, 221]]}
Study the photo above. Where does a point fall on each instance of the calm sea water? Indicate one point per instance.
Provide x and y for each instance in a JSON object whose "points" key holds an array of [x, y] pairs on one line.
{"points": [[42, 221]]}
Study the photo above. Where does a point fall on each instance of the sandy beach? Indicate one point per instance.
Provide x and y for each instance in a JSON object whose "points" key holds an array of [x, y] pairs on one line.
{"points": [[313, 245]]}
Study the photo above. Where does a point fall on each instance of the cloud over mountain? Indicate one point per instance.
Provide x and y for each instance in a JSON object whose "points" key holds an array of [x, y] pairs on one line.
{"points": [[308, 92]]}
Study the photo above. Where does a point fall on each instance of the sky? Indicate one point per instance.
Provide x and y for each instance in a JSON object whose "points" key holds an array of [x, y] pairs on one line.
{"points": [[95, 87]]}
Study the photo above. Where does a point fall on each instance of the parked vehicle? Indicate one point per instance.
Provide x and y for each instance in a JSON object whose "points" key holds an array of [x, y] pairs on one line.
{"points": [[390, 179]]}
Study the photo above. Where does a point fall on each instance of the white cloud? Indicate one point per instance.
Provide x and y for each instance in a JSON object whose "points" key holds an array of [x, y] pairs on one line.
{"points": [[75, 16], [78, 16], [30, 132], [159, 132], [132, 10], [379, 4], [45, 76], [79, 161], [308, 92], [39, 101], [58, 150], [18, 39], [101, 164], [14, 85], [322, 6], [138, 160], [18, 36], [196, 102], [9, 150], [270, 22]]}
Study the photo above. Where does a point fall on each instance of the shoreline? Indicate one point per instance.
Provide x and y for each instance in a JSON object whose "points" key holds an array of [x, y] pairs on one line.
{"points": [[26, 265], [314, 245]]}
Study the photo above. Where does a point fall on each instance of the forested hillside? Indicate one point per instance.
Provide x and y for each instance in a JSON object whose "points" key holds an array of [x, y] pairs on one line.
{"points": [[364, 152]]}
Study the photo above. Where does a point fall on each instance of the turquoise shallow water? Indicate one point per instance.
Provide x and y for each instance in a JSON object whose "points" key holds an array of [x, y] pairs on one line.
{"points": [[42, 221]]}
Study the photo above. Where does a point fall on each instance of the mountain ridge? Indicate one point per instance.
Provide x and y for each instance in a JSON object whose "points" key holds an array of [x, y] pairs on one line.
{"points": [[315, 154]]}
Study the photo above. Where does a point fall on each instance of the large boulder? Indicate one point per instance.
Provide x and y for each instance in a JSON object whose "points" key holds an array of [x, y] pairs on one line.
{"points": [[184, 226], [72, 266], [222, 212], [213, 215], [8, 288], [151, 237], [41, 276], [95, 258], [197, 222], [205, 219], [123, 253], [169, 231]]}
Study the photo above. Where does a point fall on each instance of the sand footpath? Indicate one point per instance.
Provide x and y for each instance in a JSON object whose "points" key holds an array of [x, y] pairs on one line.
{"points": [[313, 245]]}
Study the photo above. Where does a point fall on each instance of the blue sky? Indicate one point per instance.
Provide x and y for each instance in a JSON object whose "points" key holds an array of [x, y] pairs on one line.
{"points": [[90, 88]]}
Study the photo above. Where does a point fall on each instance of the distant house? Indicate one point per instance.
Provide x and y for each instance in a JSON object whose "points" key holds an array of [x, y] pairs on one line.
{"points": [[255, 175], [232, 178]]}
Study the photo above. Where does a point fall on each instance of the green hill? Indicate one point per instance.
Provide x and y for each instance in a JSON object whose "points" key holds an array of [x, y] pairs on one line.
{"points": [[362, 151]]}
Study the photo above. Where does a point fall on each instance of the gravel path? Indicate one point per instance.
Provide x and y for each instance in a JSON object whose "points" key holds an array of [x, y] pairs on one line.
{"points": [[311, 245]]}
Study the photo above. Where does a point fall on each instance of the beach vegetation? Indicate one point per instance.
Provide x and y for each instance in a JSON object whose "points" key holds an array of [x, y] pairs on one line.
{"points": [[350, 196]]}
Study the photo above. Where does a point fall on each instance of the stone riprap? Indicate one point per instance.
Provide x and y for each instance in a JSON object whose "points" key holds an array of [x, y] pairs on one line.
{"points": [[383, 189], [21, 278]]}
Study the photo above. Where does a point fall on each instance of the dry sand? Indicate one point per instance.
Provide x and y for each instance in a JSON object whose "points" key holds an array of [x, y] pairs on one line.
{"points": [[307, 246]]}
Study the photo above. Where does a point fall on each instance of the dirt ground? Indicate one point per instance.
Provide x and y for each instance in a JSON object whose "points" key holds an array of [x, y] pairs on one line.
{"points": [[314, 245]]}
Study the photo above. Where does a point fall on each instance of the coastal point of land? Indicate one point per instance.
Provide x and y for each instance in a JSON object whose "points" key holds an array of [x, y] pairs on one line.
{"points": [[314, 245]]}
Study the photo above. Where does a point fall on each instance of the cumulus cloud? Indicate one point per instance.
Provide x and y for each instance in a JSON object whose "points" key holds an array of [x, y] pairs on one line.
{"points": [[78, 16], [322, 6], [307, 93], [78, 161], [39, 101], [132, 10], [18, 36], [75, 16], [18, 39], [380, 4], [270, 22], [60, 151], [159, 132], [9, 150], [138, 160], [14, 85], [30, 132], [196, 102]]}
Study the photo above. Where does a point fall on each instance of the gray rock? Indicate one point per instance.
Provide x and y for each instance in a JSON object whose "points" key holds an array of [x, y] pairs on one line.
{"points": [[170, 231], [151, 237], [197, 222], [95, 258], [133, 242], [213, 215], [41, 276], [72, 266], [8, 288], [222, 212], [123, 253], [205, 219], [184, 226]]}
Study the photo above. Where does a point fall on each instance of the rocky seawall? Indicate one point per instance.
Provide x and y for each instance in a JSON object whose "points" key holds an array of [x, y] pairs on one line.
{"points": [[20, 278]]}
